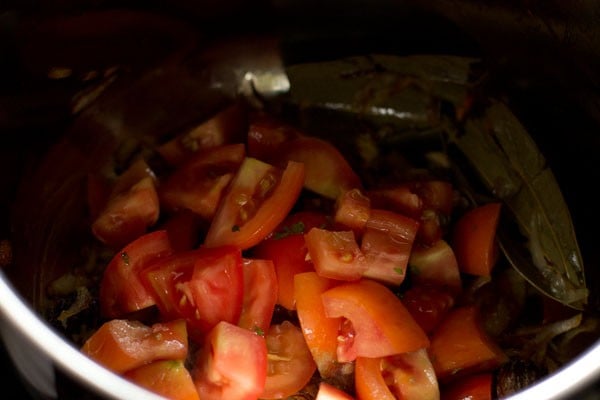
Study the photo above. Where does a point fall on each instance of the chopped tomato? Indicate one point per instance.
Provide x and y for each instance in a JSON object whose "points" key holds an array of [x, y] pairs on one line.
{"points": [[328, 173], [290, 364], [474, 239], [335, 254], [289, 258], [257, 201], [459, 345], [167, 378], [320, 332], [402, 376], [435, 265], [128, 214], [428, 305], [121, 290], [430, 202], [197, 185], [225, 127], [184, 229], [472, 387], [266, 135], [122, 345], [260, 295], [381, 325], [203, 286], [232, 364], [330, 392], [352, 209], [386, 244]]}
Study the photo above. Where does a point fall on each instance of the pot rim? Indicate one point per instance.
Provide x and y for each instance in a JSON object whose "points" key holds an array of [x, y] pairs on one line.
{"points": [[20, 317]]}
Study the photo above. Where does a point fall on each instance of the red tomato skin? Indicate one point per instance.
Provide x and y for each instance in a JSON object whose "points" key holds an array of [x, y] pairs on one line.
{"points": [[330, 392], [184, 229], [266, 135], [290, 365], [386, 244], [288, 255], [121, 289], [473, 387], [225, 127], [382, 325], [167, 378], [260, 295], [460, 346], [198, 184], [435, 265], [122, 345], [203, 286], [231, 365], [352, 209], [328, 173], [428, 305], [335, 254], [474, 239], [225, 228], [128, 215], [320, 332]]}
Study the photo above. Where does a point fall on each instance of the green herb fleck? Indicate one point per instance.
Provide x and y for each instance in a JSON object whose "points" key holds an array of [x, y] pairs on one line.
{"points": [[286, 231], [399, 271], [235, 228], [125, 258], [258, 331]]}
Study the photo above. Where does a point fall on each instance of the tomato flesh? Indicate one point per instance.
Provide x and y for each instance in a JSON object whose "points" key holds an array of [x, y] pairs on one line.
{"points": [[122, 345], [320, 332], [203, 286], [474, 239], [232, 364], [290, 363], [198, 184], [382, 325], [167, 378], [260, 295], [121, 289], [258, 200]]}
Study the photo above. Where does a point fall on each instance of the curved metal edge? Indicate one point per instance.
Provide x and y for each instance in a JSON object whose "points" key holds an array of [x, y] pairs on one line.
{"points": [[21, 320]]}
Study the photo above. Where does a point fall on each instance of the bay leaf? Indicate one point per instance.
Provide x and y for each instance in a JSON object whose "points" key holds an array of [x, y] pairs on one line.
{"points": [[510, 165]]}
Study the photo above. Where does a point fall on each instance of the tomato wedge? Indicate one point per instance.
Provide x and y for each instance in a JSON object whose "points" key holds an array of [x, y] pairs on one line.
{"points": [[167, 378], [203, 286], [320, 332], [121, 289], [328, 173], [330, 392], [381, 325], [472, 387], [232, 364], [435, 265], [459, 345], [428, 305], [122, 345], [290, 363], [403, 376], [198, 184], [352, 209], [257, 201], [386, 244], [128, 215], [335, 254], [474, 239], [260, 295], [225, 127]]}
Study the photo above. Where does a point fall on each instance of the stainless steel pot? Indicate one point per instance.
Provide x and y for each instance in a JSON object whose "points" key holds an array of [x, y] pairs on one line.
{"points": [[545, 55]]}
